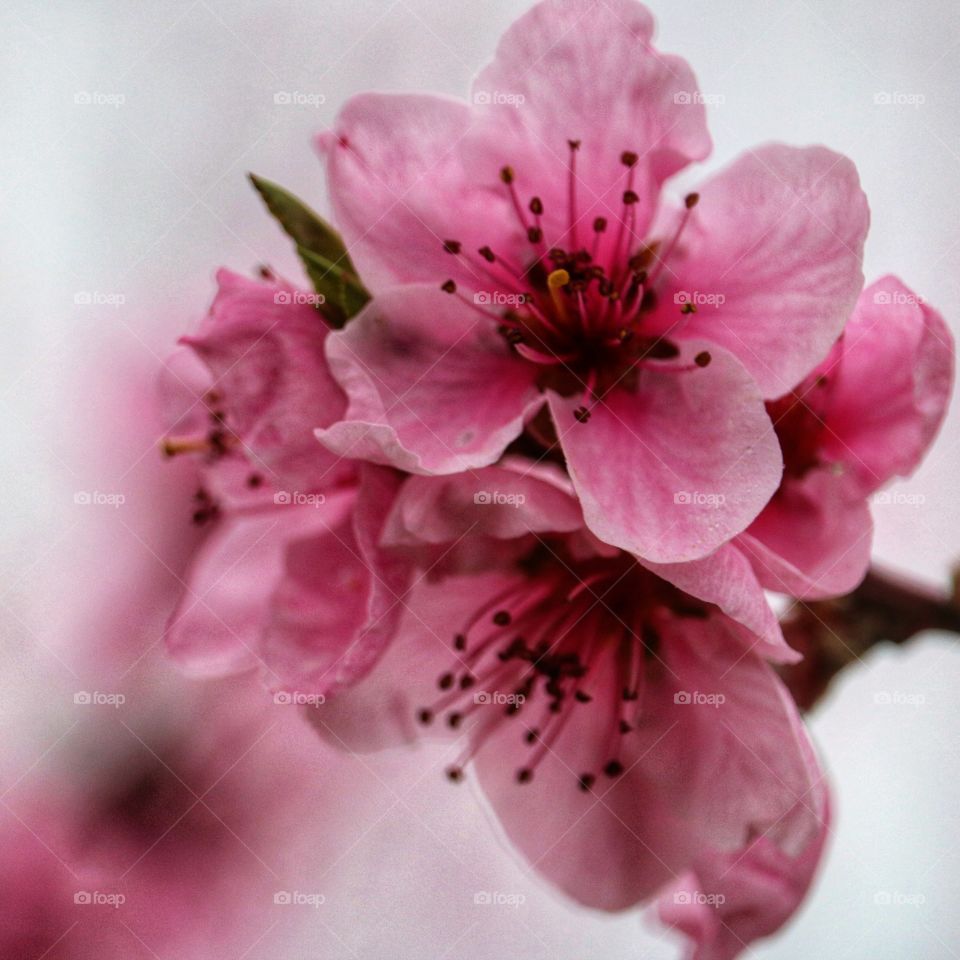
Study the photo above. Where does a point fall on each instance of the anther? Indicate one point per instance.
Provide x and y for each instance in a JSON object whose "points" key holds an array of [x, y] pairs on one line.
{"points": [[536, 206], [425, 716], [628, 158], [587, 780], [613, 769], [449, 287], [487, 254], [600, 224], [454, 774], [630, 197], [688, 308], [502, 618], [524, 775], [453, 720], [459, 642], [691, 200], [702, 359], [452, 246], [581, 414], [446, 681], [581, 697], [506, 174]]}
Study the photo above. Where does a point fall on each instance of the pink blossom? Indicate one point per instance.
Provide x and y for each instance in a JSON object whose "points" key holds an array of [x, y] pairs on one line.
{"points": [[290, 580], [525, 280], [620, 726], [867, 414]]}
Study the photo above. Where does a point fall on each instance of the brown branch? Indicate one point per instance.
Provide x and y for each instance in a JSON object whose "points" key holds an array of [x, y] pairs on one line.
{"points": [[832, 634]]}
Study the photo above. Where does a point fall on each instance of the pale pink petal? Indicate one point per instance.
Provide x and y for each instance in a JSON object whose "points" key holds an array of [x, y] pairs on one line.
{"points": [[890, 385], [727, 579], [339, 599], [585, 71], [217, 626], [432, 388], [778, 235], [813, 539], [732, 899], [674, 469], [264, 347], [399, 189], [698, 774], [489, 502]]}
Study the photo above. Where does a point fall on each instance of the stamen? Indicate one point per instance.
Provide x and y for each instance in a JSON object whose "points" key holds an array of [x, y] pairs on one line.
{"points": [[555, 282], [572, 192]]}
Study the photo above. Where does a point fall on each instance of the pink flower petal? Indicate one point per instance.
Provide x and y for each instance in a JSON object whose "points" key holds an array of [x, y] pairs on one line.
{"points": [[779, 236], [585, 71], [399, 190], [698, 775], [432, 387], [727, 579], [734, 898], [813, 539], [265, 351], [672, 471], [891, 385]]}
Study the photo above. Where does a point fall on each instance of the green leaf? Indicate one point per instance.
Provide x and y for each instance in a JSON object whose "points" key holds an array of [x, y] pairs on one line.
{"points": [[320, 248]]}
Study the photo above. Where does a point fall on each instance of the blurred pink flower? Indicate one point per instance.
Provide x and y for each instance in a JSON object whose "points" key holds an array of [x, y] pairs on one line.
{"points": [[290, 579], [651, 341], [867, 414], [619, 725]]}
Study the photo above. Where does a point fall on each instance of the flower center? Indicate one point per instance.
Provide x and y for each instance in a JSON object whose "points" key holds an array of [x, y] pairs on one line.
{"points": [[576, 312], [536, 654]]}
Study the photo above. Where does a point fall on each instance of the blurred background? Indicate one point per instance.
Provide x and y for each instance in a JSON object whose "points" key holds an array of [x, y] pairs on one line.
{"points": [[157, 817]]}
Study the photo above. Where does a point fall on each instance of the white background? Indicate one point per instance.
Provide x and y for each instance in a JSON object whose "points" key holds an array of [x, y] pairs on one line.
{"points": [[146, 198]]}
